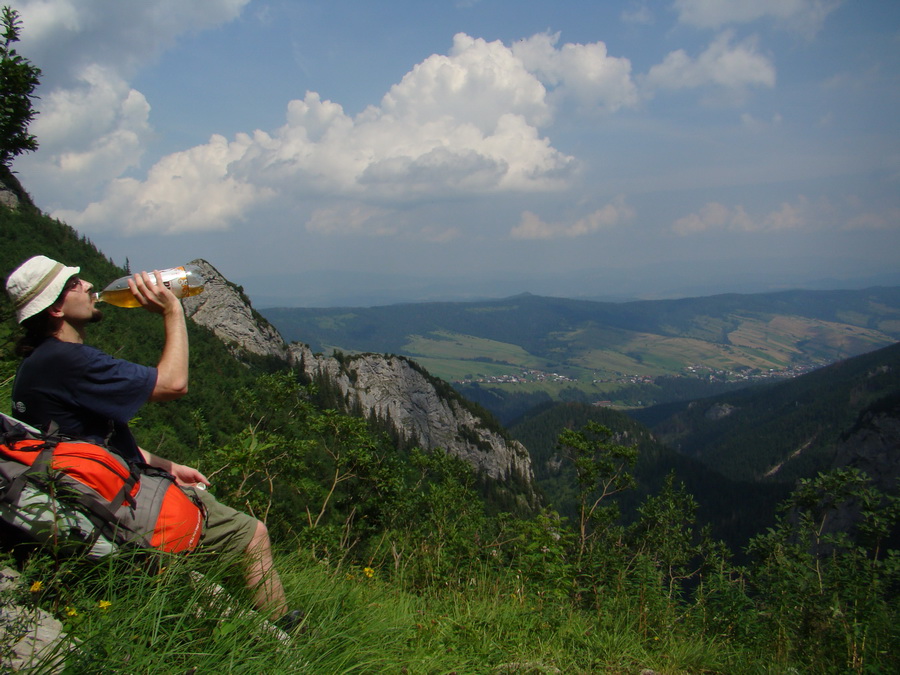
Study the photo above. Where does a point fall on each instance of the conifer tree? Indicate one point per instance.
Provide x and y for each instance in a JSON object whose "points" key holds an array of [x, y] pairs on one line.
{"points": [[18, 80]]}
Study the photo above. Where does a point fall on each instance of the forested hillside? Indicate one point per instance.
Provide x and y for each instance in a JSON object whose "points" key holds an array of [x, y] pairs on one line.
{"points": [[783, 431], [732, 520]]}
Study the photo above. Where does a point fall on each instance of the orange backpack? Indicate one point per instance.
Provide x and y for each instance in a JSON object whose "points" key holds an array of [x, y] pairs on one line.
{"points": [[83, 495]]}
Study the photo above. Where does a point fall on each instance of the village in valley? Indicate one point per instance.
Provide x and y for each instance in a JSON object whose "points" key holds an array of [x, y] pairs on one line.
{"points": [[528, 376]]}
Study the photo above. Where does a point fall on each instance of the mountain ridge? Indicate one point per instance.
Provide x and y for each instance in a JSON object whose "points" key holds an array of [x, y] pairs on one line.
{"points": [[383, 386]]}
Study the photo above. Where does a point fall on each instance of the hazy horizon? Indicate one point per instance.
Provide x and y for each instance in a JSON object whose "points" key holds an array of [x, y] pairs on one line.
{"points": [[337, 288]]}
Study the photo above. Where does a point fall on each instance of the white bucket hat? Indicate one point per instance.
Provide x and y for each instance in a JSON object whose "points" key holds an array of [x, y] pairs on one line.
{"points": [[36, 284]]}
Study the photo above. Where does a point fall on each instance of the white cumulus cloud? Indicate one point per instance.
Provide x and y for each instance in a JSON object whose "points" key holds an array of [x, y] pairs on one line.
{"points": [[88, 133], [715, 216], [466, 123], [185, 191], [805, 16], [615, 213], [92, 125], [723, 64], [585, 72]]}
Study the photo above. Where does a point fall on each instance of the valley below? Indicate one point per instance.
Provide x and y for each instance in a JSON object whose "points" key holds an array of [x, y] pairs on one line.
{"points": [[624, 354]]}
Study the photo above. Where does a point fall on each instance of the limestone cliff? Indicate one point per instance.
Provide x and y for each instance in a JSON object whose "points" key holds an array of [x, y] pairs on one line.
{"points": [[393, 387], [386, 387], [223, 308]]}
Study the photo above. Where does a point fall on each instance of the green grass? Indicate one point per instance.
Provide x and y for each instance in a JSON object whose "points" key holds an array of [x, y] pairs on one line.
{"points": [[448, 345], [453, 370], [128, 621]]}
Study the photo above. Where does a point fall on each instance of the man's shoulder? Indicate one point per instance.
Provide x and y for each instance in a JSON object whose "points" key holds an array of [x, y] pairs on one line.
{"points": [[60, 357], [52, 348]]}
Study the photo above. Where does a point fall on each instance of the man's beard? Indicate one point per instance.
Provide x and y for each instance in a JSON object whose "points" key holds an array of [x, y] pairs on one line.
{"points": [[96, 316]]}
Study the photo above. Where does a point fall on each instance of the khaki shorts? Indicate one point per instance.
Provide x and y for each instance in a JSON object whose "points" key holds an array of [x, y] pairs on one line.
{"points": [[225, 530]]}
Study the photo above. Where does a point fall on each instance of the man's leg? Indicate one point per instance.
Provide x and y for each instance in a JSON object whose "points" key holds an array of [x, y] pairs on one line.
{"points": [[237, 534], [262, 578]]}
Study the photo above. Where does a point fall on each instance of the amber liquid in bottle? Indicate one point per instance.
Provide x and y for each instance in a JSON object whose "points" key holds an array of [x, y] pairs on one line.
{"points": [[123, 297], [184, 282]]}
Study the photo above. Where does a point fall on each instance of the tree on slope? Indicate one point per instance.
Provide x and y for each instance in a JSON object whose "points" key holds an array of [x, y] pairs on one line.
{"points": [[18, 80]]}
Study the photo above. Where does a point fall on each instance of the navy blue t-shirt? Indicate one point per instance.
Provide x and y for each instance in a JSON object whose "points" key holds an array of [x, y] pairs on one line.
{"points": [[88, 393]]}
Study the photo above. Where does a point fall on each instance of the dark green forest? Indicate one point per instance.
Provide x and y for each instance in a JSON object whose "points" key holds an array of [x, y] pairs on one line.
{"points": [[766, 424], [729, 519]]}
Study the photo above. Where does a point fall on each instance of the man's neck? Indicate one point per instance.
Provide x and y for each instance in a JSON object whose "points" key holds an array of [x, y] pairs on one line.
{"points": [[69, 333]]}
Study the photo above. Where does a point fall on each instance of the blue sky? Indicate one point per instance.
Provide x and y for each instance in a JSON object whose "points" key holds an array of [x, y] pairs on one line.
{"points": [[351, 152]]}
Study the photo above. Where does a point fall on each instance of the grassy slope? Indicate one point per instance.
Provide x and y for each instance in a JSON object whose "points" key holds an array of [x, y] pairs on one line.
{"points": [[356, 624]]}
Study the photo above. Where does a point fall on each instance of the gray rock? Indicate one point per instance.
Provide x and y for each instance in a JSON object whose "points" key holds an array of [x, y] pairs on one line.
{"points": [[30, 638], [8, 198], [392, 388], [719, 411], [383, 386], [223, 309]]}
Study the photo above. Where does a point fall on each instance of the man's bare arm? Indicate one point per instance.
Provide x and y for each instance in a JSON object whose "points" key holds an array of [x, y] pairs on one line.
{"points": [[172, 369]]}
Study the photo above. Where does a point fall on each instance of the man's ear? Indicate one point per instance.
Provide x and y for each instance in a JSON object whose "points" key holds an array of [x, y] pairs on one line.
{"points": [[55, 310]]}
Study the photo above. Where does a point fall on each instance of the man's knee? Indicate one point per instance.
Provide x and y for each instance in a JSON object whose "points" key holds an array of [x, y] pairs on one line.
{"points": [[260, 536]]}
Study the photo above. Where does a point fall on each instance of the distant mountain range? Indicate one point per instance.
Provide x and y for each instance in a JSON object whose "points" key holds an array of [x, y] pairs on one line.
{"points": [[531, 342], [345, 287]]}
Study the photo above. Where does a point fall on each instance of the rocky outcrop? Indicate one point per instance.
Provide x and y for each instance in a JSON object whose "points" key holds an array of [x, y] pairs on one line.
{"points": [[386, 387], [719, 411], [8, 198], [873, 445], [395, 389], [12, 194], [31, 639], [226, 311]]}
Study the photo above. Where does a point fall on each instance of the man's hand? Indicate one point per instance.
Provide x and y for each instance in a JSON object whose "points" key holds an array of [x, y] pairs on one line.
{"points": [[172, 369], [187, 476], [154, 297]]}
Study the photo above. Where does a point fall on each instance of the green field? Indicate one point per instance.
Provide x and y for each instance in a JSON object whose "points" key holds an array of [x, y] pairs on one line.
{"points": [[457, 347], [752, 344]]}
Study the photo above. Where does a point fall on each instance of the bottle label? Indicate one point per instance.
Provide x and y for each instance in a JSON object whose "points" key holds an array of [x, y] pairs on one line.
{"points": [[175, 279]]}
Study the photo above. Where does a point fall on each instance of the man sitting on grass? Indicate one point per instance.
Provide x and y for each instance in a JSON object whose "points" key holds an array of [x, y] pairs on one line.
{"points": [[92, 395]]}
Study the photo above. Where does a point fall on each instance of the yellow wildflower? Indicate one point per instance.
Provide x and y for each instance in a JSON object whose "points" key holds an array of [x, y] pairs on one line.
{"points": [[37, 586], [104, 604], [369, 572], [71, 611]]}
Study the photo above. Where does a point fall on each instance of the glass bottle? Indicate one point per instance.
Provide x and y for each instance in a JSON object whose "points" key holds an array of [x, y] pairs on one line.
{"points": [[183, 281]]}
